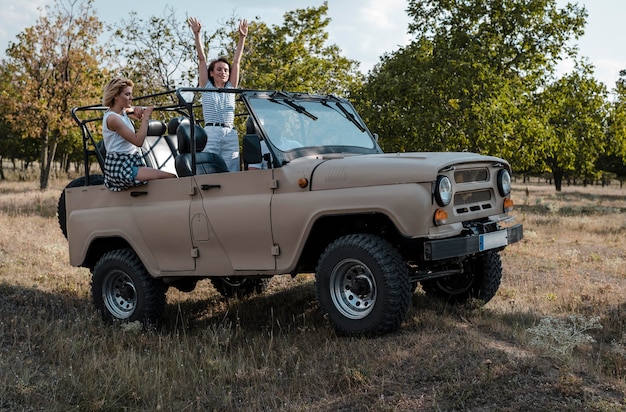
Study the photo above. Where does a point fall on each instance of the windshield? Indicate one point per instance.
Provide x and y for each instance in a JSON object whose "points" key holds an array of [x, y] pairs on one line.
{"points": [[327, 125]]}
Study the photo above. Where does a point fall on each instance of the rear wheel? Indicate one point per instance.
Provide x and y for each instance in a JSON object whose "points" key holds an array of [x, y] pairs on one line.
{"points": [[363, 285], [480, 280], [123, 290], [94, 180]]}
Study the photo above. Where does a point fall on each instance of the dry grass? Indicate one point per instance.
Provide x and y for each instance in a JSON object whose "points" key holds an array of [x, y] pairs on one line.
{"points": [[276, 352]]}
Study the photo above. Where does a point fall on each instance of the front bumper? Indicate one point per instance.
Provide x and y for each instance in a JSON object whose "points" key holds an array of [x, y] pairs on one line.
{"points": [[469, 245]]}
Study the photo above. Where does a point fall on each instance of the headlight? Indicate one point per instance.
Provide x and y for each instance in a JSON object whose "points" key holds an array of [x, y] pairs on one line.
{"points": [[443, 191], [504, 183]]}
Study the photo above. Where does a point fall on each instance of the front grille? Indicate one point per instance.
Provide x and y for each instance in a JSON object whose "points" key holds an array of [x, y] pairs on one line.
{"points": [[471, 175], [465, 202], [467, 198]]}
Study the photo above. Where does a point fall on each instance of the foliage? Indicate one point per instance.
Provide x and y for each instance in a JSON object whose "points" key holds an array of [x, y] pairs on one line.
{"points": [[54, 66], [292, 56], [575, 111], [156, 52], [295, 56], [478, 76], [468, 79], [617, 122]]}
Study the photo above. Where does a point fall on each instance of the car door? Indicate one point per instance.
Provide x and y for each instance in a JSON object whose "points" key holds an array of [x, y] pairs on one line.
{"points": [[161, 212], [232, 231]]}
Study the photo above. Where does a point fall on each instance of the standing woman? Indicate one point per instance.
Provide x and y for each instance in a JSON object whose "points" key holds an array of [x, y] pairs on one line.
{"points": [[124, 166], [218, 109]]}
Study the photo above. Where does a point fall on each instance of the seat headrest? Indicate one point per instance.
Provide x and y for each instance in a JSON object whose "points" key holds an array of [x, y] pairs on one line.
{"points": [[156, 128], [172, 125], [183, 133]]}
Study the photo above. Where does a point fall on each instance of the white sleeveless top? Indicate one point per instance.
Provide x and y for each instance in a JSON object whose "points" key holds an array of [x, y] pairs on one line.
{"points": [[113, 142]]}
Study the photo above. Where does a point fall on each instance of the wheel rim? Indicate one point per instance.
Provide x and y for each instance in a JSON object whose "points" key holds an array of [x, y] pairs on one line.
{"points": [[353, 288], [119, 294]]}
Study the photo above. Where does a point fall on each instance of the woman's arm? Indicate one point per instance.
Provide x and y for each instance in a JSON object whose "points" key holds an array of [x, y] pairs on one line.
{"points": [[203, 73], [116, 124], [234, 70]]}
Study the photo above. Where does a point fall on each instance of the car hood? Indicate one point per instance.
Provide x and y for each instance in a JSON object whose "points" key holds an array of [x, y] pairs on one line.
{"points": [[337, 171]]}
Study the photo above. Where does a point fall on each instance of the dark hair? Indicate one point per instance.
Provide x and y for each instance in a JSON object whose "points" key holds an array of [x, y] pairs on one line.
{"points": [[212, 65]]}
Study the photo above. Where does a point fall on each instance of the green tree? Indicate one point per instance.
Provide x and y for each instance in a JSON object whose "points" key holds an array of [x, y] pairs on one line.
{"points": [[157, 52], [295, 56], [468, 79], [614, 160], [54, 66], [617, 123], [575, 111]]}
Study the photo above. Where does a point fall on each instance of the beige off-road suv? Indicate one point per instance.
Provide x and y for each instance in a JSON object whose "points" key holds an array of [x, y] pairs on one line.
{"points": [[323, 198]]}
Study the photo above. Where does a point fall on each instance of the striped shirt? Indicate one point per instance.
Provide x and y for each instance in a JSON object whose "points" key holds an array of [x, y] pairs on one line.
{"points": [[218, 107]]}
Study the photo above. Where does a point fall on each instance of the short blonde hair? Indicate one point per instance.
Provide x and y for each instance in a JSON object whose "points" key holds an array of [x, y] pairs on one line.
{"points": [[113, 88]]}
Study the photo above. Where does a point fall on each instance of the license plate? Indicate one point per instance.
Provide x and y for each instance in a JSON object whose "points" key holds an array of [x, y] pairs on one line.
{"points": [[492, 240]]}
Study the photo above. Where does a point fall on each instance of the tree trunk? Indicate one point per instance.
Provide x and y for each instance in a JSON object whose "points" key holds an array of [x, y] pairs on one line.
{"points": [[558, 179], [48, 150]]}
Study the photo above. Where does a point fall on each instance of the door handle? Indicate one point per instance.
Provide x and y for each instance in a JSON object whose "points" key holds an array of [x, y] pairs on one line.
{"points": [[208, 187]]}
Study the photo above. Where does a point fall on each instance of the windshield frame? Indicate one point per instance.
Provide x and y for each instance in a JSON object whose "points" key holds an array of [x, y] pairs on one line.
{"points": [[310, 117]]}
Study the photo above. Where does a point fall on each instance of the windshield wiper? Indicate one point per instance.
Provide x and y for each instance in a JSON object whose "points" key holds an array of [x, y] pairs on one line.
{"points": [[289, 102], [350, 116]]}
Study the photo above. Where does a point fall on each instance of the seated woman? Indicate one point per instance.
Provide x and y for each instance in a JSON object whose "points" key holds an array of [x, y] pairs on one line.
{"points": [[124, 166]]}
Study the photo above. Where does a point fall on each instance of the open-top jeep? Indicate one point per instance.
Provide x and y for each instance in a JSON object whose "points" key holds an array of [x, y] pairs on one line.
{"points": [[372, 226]]}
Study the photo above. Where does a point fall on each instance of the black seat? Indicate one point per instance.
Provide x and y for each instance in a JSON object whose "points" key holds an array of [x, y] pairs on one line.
{"points": [[205, 162], [172, 126], [251, 145]]}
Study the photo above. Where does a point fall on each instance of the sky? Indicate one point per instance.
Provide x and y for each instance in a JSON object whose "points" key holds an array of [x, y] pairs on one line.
{"points": [[364, 30]]}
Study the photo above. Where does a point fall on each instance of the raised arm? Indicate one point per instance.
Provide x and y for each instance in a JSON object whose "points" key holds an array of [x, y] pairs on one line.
{"points": [[234, 70], [203, 73]]}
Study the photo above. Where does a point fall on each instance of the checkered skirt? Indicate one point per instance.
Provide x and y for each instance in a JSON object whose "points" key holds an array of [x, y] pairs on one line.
{"points": [[118, 171]]}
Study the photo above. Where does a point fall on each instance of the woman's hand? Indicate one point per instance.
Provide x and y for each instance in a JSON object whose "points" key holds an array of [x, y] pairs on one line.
{"points": [[138, 112], [195, 25], [243, 27]]}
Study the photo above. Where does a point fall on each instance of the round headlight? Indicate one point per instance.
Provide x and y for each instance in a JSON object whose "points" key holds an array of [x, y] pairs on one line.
{"points": [[504, 183], [443, 191]]}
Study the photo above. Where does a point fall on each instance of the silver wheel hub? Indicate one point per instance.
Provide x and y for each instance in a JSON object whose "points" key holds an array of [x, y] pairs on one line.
{"points": [[119, 295], [353, 288]]}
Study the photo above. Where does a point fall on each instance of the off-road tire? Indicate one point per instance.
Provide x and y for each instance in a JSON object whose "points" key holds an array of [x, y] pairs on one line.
{"points": [[122, 289], [363, 285], [61, 208], [480, 280], [240, 287]]}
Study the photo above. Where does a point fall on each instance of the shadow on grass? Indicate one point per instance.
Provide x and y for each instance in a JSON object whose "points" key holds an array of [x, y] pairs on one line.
{"points": [[287, 309], [291, 309]]}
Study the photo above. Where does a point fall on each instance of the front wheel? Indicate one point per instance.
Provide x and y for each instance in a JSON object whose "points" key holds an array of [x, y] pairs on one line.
{"points": [[480, 280], [123, 290], [363, 285]]}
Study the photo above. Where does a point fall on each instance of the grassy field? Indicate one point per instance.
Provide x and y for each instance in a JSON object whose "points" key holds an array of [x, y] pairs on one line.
{"points": [[552, 338]]}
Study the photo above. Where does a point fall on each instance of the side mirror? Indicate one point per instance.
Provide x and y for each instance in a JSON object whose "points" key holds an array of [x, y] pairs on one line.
{"points": [[376, 137]]}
